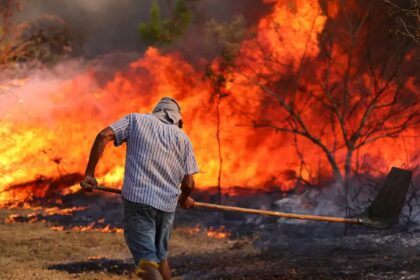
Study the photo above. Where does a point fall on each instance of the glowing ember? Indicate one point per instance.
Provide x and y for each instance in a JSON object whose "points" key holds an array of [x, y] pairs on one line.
{"points": [[11, 219], [190, 230], [57, 228], [219, 233], [39, 214], [64, 211], [93, 227]]}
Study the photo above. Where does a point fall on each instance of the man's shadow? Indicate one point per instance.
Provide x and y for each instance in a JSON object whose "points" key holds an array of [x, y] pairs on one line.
{"points": [[111, 266]]}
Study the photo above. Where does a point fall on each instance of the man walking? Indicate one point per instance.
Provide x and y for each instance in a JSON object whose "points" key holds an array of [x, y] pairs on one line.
{"points": [[158, 173]]}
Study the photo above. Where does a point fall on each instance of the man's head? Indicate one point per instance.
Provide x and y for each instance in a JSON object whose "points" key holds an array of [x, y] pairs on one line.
{"points": [[168, 111]]}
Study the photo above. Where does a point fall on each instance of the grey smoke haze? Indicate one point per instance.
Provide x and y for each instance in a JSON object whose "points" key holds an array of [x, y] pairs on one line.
{"points": [[103, 26]]}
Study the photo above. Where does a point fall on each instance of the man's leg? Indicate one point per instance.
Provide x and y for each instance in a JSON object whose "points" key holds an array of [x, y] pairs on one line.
{"points": [[164, 223], [140, 232], [165, 270]]}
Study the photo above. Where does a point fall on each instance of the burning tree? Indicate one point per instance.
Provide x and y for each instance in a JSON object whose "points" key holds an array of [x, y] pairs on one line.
{"points": [[341, 88], [289, 73], [228, 38]]}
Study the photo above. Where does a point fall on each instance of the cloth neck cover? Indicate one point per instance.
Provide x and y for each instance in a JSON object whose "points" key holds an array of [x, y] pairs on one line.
{"points": [[167, 110]]}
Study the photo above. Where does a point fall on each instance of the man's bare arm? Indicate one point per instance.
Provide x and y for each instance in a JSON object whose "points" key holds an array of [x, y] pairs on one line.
{"points": [[187, 186], [98, 147]]}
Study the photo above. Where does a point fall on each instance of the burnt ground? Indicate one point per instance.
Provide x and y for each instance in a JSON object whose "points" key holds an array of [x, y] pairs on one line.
{"points": [[308, 250], [258, 247]]}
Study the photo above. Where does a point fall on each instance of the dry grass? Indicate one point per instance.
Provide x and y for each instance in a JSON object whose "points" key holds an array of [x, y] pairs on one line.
{"points": [[27, 250]]}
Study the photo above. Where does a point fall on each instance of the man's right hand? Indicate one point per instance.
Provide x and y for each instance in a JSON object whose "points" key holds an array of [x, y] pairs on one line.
{"points": [[187, 186], [187, 202], [89, 183]]}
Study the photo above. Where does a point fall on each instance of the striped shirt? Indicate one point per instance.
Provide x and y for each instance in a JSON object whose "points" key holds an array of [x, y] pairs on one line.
{"points": [[157, 158]]}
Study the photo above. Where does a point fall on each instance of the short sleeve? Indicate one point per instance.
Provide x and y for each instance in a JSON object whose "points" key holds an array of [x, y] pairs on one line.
{"points": [[190, 164], [121, 130]]}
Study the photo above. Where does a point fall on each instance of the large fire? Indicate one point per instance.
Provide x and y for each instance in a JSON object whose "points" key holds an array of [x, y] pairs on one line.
{"points": [[48, 124]]}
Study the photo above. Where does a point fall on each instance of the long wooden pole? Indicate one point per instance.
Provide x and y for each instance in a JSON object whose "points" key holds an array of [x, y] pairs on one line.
{"points": [[277, 214], [198, 204]]}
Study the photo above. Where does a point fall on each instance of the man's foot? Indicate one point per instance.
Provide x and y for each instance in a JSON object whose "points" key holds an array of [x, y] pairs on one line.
{"points": [[147, 270]]}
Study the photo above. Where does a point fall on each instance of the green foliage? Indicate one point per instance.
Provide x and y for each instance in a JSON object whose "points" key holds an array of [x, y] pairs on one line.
{"points": [[228, 38], [160, 31]]}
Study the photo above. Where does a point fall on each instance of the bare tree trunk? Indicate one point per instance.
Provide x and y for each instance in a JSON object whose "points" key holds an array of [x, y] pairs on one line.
{"points": [[219, 146], [347, 174], [346, 185]]}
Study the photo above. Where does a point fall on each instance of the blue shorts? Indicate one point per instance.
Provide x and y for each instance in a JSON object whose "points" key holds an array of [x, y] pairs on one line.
{"points": [[147, 231]]}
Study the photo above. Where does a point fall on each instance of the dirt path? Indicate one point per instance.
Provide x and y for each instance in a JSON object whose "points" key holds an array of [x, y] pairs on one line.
{"points": [[34, 251]]}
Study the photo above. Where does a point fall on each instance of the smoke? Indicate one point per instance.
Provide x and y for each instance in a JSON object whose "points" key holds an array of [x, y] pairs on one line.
{"points": [[95, 26], [102, 26], [320, 201]]}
